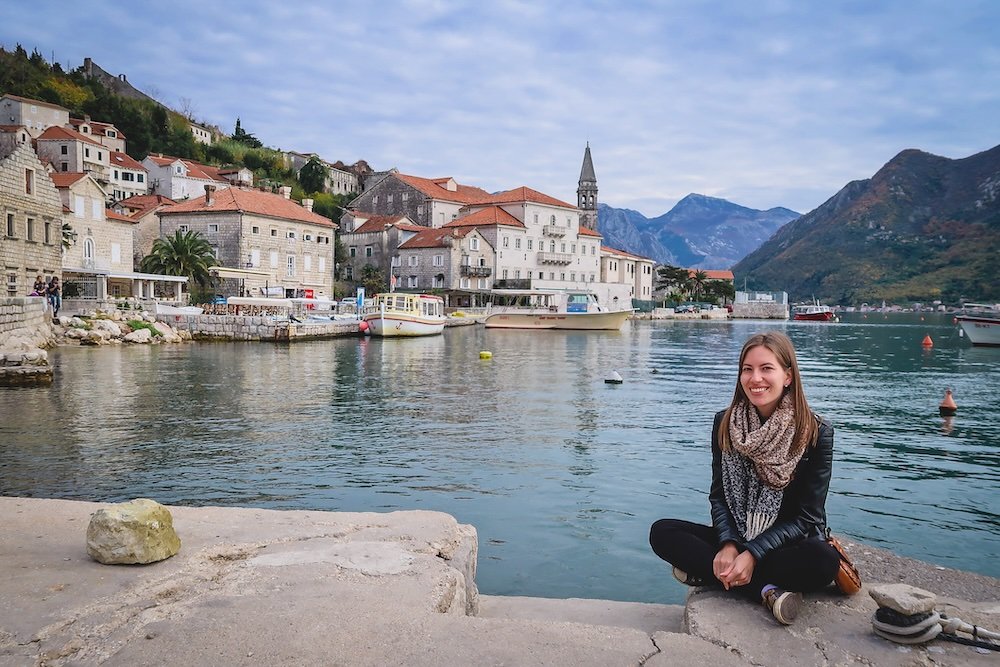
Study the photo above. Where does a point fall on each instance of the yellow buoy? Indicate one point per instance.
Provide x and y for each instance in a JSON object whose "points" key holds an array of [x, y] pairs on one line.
{"points": [[485, 354]]}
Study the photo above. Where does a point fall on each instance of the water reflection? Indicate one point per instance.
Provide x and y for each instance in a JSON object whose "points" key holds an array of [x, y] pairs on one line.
{"points": [[560, 472]]}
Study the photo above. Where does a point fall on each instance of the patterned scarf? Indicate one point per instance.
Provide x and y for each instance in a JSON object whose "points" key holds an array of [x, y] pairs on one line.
{"points": [[759, 465]]}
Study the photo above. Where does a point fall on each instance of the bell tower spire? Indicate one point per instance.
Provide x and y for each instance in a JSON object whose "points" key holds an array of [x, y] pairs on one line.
{"points": [[586, 192]]}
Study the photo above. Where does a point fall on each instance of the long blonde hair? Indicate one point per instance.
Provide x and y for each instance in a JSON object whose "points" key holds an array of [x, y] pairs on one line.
{"points": [[806, 430]]}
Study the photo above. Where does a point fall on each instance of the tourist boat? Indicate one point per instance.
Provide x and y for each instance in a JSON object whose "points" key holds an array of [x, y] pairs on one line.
{"points": [[399, 314], [539, 309], [812, 312], [981, 325]]}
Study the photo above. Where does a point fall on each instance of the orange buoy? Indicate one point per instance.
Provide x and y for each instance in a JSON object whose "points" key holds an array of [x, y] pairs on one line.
{"points": [[927, 341], [947, 407], [363, 327]]}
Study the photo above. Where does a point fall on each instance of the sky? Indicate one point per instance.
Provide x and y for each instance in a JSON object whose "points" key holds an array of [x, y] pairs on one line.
{"points": [[765, 103]]}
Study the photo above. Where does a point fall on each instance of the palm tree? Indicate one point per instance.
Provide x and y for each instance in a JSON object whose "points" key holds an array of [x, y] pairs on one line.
{"points": [[698, 281], [183, 254]]}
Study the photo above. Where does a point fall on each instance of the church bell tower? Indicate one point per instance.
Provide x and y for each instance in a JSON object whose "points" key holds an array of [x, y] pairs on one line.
{"points": [[586, 192]]}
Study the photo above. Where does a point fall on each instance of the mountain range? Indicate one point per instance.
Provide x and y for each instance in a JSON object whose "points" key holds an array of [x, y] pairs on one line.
{"points": [[698, 232], [924, 227]]}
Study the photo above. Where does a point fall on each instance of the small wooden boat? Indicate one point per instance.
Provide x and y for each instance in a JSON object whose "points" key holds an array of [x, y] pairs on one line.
{"points": [[398, 314], [539, 309]]}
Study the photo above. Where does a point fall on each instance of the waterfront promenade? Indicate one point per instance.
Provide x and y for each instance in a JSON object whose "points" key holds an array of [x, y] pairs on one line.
{"points": [[253, 586]]}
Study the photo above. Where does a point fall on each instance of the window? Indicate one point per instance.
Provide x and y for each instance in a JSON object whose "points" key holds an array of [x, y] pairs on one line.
{"points": [[116, 175], [411, 281], [552, 275], [530, 243], [552, 246], [64, 150], [552, 220], [369, 251], [213, 227], [517, 243], [10, 224], [100, 156], [413, 260], [321, 264], [86, 152], [138, 178], [395, 261], [562, 247], [439, 280], [111, 133], [593, 249], [474, 243], [441, 219], [420, 210], [541, 275], [505, 274], [572, 277], [438, 260], [536, 218], [506, 242], [116, 253], [572, 248], [274, 232], [290, 235], [375, 200], [290, 266], [562, 276], [64, 166], [177, 170], [517, 274], [48, 232], [464, 283], [88, 250], [388, 199], [484, 283], [307, 261], [12, 284], [273, 258], [352, 251], [255, 230], [255, 257], [29, 181], [97, 209], [307, 237], [405, 196], [30, 234]]}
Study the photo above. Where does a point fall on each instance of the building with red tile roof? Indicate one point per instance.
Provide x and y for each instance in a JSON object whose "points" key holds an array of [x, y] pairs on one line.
{"points": [[373, 240], [144, 210], [714, 274], [179, 178], [262, 240], [128, 177], [636, 271], [105, 134], [430, 202], [69, 151], [456, 258], [35, 115]]}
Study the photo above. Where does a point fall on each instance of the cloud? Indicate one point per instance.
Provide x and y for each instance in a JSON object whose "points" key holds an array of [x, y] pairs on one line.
{"points": [[771, 104]]}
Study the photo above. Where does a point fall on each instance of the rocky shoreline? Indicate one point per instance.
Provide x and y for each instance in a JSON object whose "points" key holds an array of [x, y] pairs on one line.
{"points": [[252, 586]]}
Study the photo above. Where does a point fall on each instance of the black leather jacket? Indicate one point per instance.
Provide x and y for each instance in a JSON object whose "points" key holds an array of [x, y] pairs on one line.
{"points": [[803, 506]]}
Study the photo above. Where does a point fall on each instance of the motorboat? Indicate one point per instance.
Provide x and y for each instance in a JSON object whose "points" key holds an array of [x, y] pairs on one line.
{"points": [[812, 312], [541, 309], [981, 324], [396, 314]]}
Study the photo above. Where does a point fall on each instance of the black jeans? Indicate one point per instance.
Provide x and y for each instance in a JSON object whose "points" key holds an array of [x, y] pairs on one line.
{"points": [[805, 566]]}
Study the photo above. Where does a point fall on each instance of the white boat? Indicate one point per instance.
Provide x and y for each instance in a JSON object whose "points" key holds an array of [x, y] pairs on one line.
{"points": [[981, 325], [398, 314], [539, 309]]}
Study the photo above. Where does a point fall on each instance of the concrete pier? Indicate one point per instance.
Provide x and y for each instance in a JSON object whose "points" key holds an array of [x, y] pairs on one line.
{"points": [[252, 587]]}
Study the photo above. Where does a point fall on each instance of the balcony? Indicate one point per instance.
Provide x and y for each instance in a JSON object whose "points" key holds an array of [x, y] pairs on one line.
{"points": [[476, 271], [555, 258], [554, 230]]}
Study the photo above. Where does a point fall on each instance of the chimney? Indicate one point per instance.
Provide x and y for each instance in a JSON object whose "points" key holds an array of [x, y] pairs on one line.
{"points": [[285, 191], [307, 204], [209, 195]]}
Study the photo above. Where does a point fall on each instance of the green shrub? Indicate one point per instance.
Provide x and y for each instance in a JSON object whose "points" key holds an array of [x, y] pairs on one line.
{"points": [[142, 324]]}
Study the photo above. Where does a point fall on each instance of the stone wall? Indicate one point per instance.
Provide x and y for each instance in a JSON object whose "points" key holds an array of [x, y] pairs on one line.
{"points": [[25, 318], [256, 328], [760, 311]]}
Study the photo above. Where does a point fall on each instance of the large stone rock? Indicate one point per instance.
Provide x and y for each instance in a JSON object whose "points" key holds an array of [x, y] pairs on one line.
{"points": [[139, 336], [903, 598], [139, 531], [109, 326]]}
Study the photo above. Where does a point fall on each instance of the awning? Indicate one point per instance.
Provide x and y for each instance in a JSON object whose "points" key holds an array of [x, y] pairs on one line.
{"points": [[125, 275], [223, 272]]}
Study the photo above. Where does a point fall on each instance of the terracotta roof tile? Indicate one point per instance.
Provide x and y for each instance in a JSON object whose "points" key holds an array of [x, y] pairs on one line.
{"points": [[98, 127], [525, 194], [111, 215], [37, 102], [126, 161], [586, 231], [432, 187], [194, 169], [250, 201], [64, 179], [56, 133], [376, 223], [622, 253], [714, 274], [435, 238], [492, 215]]}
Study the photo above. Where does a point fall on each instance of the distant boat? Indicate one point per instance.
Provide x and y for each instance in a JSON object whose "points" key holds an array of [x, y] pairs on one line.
{"points": [[540, 309], [981, 325], [395, 314], [812, 312]]}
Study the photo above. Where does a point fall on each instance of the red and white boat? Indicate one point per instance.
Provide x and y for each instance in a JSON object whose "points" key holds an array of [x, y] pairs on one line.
{"points": [[812, 312]]}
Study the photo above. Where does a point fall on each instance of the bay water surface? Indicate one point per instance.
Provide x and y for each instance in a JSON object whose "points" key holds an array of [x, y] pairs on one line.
{"points": [[561, 473]]}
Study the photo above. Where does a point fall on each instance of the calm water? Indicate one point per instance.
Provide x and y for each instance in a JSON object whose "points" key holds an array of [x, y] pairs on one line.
{"points": [[560, 473]]}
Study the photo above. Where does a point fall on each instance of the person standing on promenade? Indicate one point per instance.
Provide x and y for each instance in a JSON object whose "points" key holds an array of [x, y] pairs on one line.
{"points": [[772, 459], [55, 295]]}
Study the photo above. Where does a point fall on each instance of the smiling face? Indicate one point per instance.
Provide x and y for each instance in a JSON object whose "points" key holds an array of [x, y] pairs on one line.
{"points": [[763, 379]]}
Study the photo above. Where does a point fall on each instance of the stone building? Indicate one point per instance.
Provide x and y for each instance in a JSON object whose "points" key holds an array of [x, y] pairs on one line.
{"points": [[373, 240], [36, 116], [339, 180], [72, 152], [455, 259], [31, 219], [144, 211], [427, 202], [633, 272], [264, 243]]}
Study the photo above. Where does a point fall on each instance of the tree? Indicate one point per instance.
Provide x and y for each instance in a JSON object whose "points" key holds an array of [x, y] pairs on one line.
{"points": [[312, 176], [673, 279], [183, 254], [698, 282], [372, 279], [244, 137]]}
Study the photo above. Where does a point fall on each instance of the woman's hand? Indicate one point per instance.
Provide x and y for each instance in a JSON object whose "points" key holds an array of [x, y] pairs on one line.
{"points": [[739, 571], [724, 560]]}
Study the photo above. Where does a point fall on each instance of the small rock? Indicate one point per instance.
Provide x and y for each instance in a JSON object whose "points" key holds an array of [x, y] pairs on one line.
{"points": [[139, 531], [903, 598]]}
